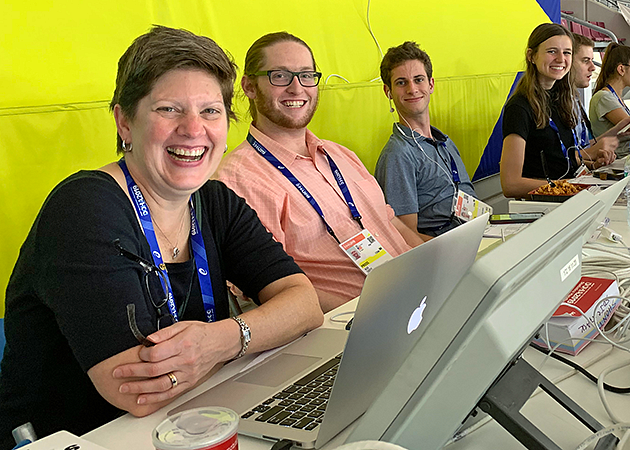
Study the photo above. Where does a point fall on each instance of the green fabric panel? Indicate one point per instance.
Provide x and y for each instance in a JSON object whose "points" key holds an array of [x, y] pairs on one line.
{"points": [[59, 63]]}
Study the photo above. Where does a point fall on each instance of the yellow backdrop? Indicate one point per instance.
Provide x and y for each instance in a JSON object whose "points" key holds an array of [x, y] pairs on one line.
{"points": [[59, 63]]}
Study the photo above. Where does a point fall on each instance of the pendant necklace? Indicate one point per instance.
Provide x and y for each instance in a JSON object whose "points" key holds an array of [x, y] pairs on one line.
{"points": [[176, 246]]}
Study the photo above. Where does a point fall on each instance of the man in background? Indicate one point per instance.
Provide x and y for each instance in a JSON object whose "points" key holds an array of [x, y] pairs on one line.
{"points": [[315, 196], [420, 168]]}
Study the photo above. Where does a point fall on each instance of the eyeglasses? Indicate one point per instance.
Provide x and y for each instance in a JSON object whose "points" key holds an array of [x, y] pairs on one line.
{"points": [[307, 78], [154, 282]]}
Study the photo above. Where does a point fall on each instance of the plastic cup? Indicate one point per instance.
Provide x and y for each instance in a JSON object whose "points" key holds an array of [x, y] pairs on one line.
{"points": [[211, 428]]}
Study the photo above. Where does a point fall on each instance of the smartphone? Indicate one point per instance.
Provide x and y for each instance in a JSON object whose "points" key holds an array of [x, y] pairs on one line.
{"points": [[515, 217]]}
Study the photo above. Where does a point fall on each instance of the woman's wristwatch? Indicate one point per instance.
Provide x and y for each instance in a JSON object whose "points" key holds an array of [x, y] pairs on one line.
{"points": [[246, 336]]}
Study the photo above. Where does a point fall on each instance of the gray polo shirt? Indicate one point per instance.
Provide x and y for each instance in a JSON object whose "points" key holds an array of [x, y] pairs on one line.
{"points": [[416, 176]]}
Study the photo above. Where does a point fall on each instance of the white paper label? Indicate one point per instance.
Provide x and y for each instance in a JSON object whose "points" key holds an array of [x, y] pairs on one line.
{"points": [[569, 268]]}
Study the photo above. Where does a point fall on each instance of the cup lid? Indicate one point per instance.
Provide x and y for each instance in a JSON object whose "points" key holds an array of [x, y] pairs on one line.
{"points": [[194, 429]]}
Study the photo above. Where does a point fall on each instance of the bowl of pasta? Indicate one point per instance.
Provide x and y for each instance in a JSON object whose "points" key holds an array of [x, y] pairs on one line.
{"points": [[562, 191]]}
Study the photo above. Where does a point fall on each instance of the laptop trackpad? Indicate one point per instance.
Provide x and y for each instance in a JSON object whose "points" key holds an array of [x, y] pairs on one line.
{"points": [[278, 370]]}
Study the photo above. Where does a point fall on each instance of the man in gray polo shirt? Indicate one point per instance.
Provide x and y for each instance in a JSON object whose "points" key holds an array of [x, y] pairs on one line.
{"points": [[419, 169]]}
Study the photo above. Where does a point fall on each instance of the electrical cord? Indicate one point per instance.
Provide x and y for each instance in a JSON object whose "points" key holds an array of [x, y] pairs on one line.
{"points": [[582, 370], [335, 75], [601, 388], [462, 434], [335, 319], [413, 136], [283, 444], [602, 433], [380, 51]]}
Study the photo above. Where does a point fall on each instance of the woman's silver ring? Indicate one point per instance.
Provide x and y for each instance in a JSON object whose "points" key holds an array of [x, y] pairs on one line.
{"points": [[173, 378]]}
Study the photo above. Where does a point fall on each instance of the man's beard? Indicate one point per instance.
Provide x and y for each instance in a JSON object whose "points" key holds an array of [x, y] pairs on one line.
{"points": [[266, 107]]}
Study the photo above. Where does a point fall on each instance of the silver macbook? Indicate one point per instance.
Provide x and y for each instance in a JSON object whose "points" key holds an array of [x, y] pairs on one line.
{"points": [[308, 392]]}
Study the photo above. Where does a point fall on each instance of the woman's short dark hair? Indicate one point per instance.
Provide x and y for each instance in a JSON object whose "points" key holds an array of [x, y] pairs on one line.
{"points": [[615, 54], [255, 58], [396, 56], [157, 52]]}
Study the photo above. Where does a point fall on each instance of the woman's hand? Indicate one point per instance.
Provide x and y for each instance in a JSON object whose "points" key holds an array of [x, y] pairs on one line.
{"points": [[137, 380], [602, 153], [187, 350]]}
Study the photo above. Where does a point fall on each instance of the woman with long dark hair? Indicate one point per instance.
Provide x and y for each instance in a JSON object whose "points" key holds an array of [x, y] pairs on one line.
{"points": [[539, 139]]}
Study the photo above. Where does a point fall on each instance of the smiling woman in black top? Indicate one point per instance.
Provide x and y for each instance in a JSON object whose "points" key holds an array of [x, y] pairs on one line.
{"points": [[539, 118], [118, 300]]}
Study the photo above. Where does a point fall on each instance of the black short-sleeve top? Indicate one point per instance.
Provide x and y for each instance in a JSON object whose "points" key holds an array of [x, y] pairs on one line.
{"points": [[518, 118], [67, 296]]}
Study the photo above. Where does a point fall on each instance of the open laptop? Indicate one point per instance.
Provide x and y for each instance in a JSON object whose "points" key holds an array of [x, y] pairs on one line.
{"points": [[307, 392]]}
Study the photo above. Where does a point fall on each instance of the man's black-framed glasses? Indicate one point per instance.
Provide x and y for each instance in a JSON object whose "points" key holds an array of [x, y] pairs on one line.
{"points": [[154, 282], [307, 78]]}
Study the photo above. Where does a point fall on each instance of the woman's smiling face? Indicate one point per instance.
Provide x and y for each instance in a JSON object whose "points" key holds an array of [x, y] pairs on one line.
{"points": [[552, 59], [179, 131]]}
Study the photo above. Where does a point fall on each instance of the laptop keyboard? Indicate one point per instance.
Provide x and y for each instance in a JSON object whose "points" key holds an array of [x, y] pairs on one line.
{"points": [[302, 404]]}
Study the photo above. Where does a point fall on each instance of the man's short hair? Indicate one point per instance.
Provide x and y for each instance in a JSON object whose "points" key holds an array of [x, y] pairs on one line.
{"points": [[396, 56], [255, 58], [581, 41]]}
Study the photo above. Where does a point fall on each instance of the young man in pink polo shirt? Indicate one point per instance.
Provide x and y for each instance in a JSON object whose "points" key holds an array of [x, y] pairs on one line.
{"points": [[315, 196]]}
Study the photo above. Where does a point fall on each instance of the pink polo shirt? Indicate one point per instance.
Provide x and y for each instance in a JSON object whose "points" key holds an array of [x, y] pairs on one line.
{"points": [[293, 221]]}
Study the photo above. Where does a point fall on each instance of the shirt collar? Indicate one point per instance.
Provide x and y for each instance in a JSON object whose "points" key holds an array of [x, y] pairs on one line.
{"points": [[438, 136], [313, 143]]}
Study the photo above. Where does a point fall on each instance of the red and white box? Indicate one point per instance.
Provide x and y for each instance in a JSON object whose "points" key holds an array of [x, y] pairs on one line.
{"points": [[569, 327]]}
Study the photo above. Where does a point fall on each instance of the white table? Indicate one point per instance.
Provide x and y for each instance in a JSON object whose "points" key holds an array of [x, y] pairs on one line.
{"points": [[128, 432]]}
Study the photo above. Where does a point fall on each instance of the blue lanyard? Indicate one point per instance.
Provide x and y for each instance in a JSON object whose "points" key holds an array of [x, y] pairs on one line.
{"points": [[584, 142], [302, 189], [583, 139], [198, 248], [454, 170], [565, 152], [621, 102]]}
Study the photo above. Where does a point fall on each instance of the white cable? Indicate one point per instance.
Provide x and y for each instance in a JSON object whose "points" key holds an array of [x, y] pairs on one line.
{"points": [[471, 429], [370, 30], [601, 433], [624, 440], [555, 347], [596, 323], [602, 392], [413, 136], [462, 434], [335, 75], [335, 320]]}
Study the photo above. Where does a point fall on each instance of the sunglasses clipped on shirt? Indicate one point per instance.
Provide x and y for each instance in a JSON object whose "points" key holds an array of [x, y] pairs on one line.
{"points": [[152, 277]]}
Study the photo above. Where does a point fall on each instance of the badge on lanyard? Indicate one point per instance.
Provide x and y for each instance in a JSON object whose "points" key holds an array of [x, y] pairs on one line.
{"points": [[466, 207], [365, 251]]}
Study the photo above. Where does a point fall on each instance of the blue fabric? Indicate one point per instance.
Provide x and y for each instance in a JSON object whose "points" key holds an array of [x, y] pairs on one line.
{"points": [[489, 163], [551, 8]]}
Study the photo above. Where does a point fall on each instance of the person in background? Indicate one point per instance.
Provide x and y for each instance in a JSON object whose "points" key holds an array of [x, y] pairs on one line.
{"points": [[583, 68], [313, 195], [420, 168], [118, 301], [539, 139], [607, 107]]}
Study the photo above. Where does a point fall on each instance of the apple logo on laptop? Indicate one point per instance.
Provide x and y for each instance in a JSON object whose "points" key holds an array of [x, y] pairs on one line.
{"points": [[416, 316]]}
